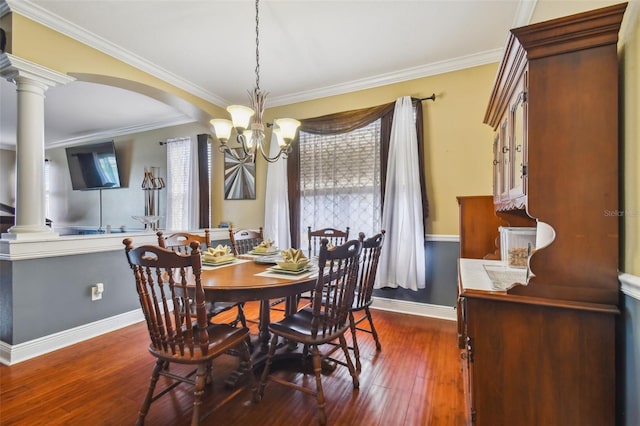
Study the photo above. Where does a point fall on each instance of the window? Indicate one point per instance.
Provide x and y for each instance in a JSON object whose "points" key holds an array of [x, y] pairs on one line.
{"points": [[340, 180], [337, 171], [185, 193]]}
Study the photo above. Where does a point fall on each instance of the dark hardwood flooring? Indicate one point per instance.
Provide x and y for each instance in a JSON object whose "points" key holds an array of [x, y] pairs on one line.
{"points": [[415, 380]]}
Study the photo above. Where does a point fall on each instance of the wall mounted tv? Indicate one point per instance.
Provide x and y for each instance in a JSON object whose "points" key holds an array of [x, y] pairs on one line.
{"points": [[93, 166]]}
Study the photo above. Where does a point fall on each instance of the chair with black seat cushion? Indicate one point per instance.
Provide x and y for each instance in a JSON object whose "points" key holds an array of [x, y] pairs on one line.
{"points": [[371, 248], [244, 240], [324, 321], [166, 280], [180, 242], [335, 237]]}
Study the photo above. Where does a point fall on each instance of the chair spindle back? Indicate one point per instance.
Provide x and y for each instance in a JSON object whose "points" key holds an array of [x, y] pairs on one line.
{"points": [[335, 237], [181, 241], [244, 240], [371, 248], [334, 291], [161, 277]]}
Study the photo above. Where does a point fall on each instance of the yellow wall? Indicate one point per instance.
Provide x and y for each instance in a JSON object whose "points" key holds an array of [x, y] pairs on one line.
{"points": [[457, 143], [46, 47], [458, 150], [630, 133]]}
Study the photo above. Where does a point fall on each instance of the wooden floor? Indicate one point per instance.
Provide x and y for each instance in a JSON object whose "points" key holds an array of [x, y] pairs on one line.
{"points": [[415, 380]]}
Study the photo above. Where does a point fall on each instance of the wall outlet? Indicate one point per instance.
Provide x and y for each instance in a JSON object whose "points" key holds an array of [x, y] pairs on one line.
{"points": [[96, 291]]}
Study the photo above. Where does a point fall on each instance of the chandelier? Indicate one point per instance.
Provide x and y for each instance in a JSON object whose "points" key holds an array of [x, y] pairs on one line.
{"points": [[247, 122]]}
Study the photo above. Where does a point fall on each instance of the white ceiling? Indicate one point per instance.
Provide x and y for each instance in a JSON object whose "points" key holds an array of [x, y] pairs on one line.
{"points": [[308, 49]]}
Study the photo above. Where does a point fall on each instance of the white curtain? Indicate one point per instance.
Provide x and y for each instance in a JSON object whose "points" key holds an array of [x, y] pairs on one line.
{"points": [[182, 184], [402, 260], [276, 200]]}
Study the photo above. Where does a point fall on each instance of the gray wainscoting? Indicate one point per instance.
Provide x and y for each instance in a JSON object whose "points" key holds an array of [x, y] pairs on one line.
{"points": [[629, 362], [441, 257], [53, 294], [45, 294]]}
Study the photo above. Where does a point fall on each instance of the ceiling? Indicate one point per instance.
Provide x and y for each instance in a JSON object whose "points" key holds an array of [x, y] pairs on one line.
{"points": [[308, 49]]}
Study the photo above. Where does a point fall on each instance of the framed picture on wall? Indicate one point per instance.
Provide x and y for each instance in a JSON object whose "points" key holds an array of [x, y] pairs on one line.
{"points": [[239, 178]]}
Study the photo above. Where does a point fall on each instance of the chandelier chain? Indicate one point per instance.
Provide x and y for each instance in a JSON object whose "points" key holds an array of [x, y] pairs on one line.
{"points": [[257, 46], [247, 122]]}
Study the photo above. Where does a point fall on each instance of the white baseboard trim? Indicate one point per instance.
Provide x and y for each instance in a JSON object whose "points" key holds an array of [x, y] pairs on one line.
{"points": [[630, 285], [414, 308], [12, 354]]}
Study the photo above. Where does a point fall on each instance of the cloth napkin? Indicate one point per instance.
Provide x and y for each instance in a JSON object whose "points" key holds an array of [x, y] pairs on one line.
{"points": [[218, 253], [265, 246], [294, 256]]}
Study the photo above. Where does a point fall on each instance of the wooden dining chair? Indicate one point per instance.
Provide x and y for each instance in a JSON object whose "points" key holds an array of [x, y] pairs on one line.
{"points": [[244, 240], [164, 281], [180, 242], [371, 248], [323, 322], [334, 236]]}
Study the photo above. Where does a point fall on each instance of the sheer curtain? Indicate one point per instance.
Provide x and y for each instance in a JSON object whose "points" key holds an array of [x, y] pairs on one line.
{"points": [[182, 184], [402, 261], [276, 200]]}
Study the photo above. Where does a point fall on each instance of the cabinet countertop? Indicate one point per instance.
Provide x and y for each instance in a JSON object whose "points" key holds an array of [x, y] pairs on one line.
{"points": [[489, 275]]}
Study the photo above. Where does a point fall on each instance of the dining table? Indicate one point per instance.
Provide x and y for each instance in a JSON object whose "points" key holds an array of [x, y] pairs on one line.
{"points": [[246, 280]]}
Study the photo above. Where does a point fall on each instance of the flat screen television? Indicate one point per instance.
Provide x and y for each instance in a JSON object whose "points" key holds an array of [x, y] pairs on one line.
{"points": [[93, 166]]}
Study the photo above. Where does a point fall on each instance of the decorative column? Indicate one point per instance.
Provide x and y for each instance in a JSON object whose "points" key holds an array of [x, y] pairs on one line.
{"points": [[31, 81]]}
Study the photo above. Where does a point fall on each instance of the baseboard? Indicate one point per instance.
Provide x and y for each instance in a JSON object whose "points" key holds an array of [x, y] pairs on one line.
{"points": [[12, 354], [630, 285], [414, 308]]}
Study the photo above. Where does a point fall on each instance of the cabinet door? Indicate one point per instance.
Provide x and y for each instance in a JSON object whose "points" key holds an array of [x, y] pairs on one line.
{"points": [[518, 143], [504, 158], [497, 169]]}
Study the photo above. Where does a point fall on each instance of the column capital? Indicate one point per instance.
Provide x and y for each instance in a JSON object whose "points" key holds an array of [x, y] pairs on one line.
{"points": [[12, 66]]}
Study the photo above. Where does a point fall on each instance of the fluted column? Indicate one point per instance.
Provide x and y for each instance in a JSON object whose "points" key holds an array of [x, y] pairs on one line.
{"points": [[31, 81]]}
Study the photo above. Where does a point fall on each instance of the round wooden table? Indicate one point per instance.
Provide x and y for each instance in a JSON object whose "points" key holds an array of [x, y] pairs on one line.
{"points": [[238, 282]]}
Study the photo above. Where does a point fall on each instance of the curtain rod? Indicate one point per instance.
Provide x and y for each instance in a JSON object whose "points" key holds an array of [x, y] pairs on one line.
{"points": [[168, 141], [430, 98]]}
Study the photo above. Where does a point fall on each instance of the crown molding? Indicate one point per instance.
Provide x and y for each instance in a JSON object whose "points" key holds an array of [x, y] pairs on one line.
{"points": [[61, 25], [110, 134], [413, 73], [123, 131], [36, 13], [630, 21], [4, 8], [12, 66], [524, 13]]}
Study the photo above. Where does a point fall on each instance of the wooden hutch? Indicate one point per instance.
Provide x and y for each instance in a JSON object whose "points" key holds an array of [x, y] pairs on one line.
{"points": [[542, 352]]}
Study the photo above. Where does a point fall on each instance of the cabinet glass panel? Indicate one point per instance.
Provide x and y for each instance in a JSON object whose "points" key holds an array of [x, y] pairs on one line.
{"points": [[518, 146], [504, 159], [497, 168]]}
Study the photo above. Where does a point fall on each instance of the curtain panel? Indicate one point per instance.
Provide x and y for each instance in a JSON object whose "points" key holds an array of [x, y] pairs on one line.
{"points": [[204, 191], [343, 122]]}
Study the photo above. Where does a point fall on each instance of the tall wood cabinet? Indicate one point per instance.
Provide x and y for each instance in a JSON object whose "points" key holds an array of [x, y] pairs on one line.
{"points": [[542, 349]]}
